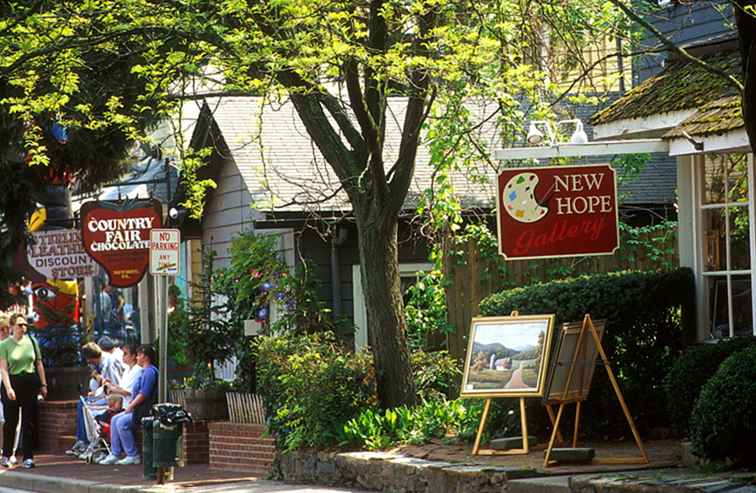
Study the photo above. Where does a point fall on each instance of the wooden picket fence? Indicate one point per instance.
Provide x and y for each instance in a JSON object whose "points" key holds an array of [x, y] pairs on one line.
{"points": [[475, 278], [245, 408]]}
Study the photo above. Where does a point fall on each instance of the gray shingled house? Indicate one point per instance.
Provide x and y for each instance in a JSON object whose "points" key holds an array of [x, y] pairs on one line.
{"points": [[271, 178]]}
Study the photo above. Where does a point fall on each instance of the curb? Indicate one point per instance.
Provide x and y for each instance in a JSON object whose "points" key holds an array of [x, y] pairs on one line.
{"points": [[664, 481], [55, 484]]}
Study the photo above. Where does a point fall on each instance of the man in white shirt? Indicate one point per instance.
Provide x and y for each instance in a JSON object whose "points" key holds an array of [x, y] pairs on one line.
{"points": [[129, 378], [106, 368]]}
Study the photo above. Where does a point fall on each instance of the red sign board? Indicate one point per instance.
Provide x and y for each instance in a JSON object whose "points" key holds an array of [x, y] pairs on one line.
{"points": [[557, 211], [117, 236]]}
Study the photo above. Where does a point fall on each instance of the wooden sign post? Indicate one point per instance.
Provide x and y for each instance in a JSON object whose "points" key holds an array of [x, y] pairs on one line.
{"points": [[576, 385]]}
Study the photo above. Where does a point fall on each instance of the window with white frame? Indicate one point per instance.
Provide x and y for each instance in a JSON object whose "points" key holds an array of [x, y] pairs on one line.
{"points": [[726, 251], [407, 275]]}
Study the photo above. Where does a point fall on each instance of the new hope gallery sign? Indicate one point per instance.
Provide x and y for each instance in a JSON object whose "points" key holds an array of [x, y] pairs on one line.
{"points": [[117, 236], [557, 211]]}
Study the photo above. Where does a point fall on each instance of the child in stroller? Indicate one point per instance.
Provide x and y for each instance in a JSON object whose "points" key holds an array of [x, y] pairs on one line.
{"points": [[98, 429]]}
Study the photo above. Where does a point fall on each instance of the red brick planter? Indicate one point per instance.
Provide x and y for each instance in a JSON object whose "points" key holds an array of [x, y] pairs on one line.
{"points": [[57, 425], [240, 447], [196, 448]]}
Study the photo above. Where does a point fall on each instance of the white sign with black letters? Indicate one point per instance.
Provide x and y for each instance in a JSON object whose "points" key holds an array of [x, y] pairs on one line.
{"points": [[164, 252]]}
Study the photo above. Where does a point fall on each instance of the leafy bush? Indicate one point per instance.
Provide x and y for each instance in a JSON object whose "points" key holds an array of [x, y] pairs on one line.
{"points": [[649, 315], [375, 429], [311, 387], [723, 424], [426, 310], [436, 374], [690, 372]]}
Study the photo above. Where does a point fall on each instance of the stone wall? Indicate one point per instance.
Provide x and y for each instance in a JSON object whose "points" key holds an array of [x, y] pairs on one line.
{"points": [[380, 471]]}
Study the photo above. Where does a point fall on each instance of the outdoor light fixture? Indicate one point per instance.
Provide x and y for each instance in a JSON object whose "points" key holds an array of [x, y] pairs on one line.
{"points": [[536, 136], [578, 136]]}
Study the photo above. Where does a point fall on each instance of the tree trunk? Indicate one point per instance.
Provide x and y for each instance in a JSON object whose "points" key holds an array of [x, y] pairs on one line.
{"points": [[379, 266]]}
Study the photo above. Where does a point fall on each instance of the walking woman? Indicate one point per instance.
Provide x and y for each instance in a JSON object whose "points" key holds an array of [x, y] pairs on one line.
{"points": [[24, 378]]}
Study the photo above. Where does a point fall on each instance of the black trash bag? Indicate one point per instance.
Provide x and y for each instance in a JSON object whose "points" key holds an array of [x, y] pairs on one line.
{"points": [[170, 414]]}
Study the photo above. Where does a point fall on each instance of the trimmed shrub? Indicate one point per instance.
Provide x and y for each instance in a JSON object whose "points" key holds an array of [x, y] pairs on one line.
{"points": [[649, 316], [723, 424], [690, 372], [435, 374], [312, 386]]}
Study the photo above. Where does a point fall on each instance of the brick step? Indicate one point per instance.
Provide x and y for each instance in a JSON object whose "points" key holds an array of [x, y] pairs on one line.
{"points": [[240, 462], [251, 471], [244, 447], [228, 440], [243, 456], [267, 458]]}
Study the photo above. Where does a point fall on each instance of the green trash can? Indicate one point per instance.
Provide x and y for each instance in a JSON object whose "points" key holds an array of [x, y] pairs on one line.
{"points": [[148, 448], [167, 442]]}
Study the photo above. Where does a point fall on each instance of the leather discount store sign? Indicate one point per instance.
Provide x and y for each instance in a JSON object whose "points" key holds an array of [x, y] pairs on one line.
{"points": [[557, 211], [117, 236]]}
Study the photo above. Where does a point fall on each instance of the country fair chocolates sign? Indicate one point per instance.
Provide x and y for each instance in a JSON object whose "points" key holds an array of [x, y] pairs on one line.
{"points": [[117, 236], [557, 211]]}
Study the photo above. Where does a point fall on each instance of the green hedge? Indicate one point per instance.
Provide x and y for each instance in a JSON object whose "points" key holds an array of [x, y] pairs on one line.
{"points": [[723, 424], [689, 374], [311, 386], [649, 316]]}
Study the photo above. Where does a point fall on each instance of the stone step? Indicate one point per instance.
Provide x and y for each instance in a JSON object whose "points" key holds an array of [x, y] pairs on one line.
{"points": [[552, 484], [572, 455], [509, 443]]}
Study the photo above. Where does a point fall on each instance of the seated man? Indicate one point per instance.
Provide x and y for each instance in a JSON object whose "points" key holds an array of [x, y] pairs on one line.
{"points": [[106, 368], [123, 425]]}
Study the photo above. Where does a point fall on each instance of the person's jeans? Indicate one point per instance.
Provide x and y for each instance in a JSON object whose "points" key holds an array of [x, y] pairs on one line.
{"points": [[122, 435], [26, 387], [81, 431]]}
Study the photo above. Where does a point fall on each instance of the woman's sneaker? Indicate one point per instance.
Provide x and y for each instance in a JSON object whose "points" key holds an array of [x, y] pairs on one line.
{"points": [[28, 463], [5, 462]]}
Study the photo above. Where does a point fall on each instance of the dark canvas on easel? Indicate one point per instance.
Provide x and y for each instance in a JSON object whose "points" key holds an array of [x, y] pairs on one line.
{"points": [[564, 351]]}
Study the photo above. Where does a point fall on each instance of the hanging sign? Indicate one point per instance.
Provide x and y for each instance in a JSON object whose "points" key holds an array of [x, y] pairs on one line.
{"points": [[557, 211], [164, 252], [59, 254], [117, 236]]}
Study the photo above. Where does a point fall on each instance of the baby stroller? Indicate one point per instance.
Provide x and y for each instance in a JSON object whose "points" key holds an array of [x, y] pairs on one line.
{"points": [[98, 434]]}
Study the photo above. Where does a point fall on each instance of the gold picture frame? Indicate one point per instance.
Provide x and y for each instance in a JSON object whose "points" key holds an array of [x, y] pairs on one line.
{"points": [[507, 356]]}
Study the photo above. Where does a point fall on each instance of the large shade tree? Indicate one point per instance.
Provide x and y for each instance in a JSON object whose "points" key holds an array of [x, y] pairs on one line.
{"points": [[100, 66]]}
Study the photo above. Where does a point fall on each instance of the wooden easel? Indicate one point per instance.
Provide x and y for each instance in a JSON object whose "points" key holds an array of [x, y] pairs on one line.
{"points": [[523, 425], [588, 326]]}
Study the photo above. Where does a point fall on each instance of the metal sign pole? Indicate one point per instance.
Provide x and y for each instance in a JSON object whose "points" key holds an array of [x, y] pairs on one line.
{"points": [[164, 265], [163, 381]]}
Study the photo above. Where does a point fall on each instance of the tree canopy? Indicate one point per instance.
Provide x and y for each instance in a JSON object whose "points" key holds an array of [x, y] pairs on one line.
{"points": [[108, 69]]}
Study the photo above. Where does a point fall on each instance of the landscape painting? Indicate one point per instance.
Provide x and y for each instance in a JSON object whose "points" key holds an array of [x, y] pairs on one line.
{"points": [[507, 356]]}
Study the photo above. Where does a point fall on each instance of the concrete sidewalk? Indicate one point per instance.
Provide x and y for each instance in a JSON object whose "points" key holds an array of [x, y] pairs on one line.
{"points": [[62, 473]]}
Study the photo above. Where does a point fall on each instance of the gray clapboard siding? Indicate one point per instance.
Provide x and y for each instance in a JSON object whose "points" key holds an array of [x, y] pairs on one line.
{"points": [[684, 24], [227, 211]]}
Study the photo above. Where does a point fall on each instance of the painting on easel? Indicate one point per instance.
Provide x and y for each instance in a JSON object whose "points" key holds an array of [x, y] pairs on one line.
{"points": [[507, 356]]}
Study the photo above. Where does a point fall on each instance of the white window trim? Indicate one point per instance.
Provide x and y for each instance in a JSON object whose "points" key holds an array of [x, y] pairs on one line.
{"points": [[702, 298], [360, 311]]}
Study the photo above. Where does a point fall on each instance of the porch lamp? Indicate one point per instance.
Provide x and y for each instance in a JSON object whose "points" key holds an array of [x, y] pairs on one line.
{"points": [[578, 136], [536, 136]]}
